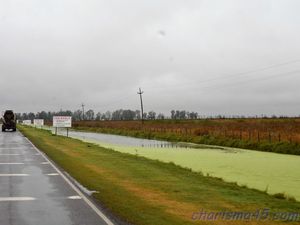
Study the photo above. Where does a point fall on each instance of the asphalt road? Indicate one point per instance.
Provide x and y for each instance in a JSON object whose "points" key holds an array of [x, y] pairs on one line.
{"points": [[34, 192]]}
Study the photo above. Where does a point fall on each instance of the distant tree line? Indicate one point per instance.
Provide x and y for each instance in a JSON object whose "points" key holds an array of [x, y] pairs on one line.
{"points": [[183, 114], [120, 114], [127, 114]]}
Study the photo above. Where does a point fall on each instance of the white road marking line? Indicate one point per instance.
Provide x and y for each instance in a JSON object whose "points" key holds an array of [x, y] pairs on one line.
{"points": [[14, 199], [92, 205], [14, 175], [24, 175], [12, 163], [53, 174], [45, 163], [8, 154], [76, 197], [17, 154]]}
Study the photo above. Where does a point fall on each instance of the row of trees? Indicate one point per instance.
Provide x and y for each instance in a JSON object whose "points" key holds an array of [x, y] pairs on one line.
{"points": [[126, 114], [120, 114], [183, 114]]}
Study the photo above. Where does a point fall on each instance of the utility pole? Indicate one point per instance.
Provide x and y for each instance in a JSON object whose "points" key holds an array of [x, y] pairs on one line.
{"points": [[142, 106], [82, 105]]}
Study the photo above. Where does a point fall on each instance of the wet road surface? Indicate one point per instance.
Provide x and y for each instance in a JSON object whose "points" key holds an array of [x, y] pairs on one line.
{"points": [[34, 192]]}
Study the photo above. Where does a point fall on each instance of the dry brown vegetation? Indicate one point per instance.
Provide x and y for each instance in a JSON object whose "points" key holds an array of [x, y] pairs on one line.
{"points": [[255, 130]]}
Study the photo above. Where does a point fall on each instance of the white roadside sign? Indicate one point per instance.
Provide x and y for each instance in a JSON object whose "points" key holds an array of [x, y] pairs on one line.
{"points": [[62, 121], [38, 122], [27, 122]]}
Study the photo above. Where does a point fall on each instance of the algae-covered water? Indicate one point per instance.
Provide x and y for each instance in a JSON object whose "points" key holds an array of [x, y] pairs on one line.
{"points": [[278, 173]]}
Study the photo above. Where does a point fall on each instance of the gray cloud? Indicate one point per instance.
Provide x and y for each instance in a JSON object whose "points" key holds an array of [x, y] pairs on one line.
{"points": [[56, 54]]}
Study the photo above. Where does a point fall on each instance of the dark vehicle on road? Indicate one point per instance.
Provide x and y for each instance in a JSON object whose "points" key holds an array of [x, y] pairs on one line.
{"points": [[9, 121]]}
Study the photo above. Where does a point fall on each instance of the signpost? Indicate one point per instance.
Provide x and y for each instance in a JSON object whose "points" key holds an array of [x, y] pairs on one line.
{"points": [[62, 122], [38, 123]]}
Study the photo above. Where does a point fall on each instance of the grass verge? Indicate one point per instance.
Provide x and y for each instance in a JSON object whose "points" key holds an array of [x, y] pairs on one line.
{"points": [[146, 192]]}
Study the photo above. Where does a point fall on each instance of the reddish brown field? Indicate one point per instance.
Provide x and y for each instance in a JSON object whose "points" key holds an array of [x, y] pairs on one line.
{"points": [[272, 130]]}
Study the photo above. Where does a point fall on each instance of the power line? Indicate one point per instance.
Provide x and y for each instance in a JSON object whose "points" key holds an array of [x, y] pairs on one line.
{"points": [[213, 79], [228, 76], [114, 102], [204, 89], [279, 75]]}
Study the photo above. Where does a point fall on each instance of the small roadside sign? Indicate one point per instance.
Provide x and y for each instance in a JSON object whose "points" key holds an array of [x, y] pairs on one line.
{"points": [[62, 121], [38, 122], [27, 122]]}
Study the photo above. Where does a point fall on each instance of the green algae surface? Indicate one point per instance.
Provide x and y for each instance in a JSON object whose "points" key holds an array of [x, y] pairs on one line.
{"points": [[271, 172]]}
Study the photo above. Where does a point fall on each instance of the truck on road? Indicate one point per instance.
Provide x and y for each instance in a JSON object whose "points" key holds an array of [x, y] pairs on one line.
{"points": [[9, 121]]}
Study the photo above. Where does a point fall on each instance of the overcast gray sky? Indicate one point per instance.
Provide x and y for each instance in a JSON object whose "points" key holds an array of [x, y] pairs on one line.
{"points": [[213, 57]]}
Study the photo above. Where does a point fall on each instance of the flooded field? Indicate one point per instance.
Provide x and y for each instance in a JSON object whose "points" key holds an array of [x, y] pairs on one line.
{"points": [[260, 170]]}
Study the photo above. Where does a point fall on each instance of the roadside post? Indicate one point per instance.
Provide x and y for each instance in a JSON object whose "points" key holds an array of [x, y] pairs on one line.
{"points": [[62, 122]]}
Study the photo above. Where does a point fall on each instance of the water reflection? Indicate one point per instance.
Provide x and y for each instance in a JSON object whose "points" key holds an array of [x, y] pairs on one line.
{"points": [[129, 141]]}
